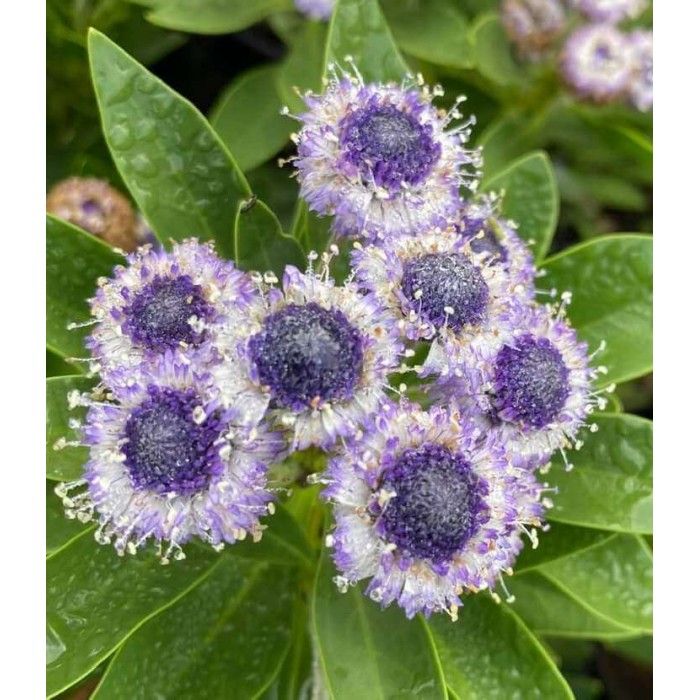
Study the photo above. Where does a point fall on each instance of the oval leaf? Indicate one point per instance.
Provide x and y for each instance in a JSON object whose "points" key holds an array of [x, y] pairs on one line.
{"points": [[184, 180], [531, 199], [492, 53], [358, 29], [64, 464], [74, 261], [610, 486], [95, 599], [367, 652], [248, 119], [489, 653], [238, 631], [611, 282]]}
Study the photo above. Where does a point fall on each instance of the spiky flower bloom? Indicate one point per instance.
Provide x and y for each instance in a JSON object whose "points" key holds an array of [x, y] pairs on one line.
{"points": [[597, 62], [641, 84], [97, 208], [315, 9], [531, 385], [164, 301], [168, 464], [433, 285], [315, 354], [495, 241], [533, 24], [381, 158], [610, 10], [427, 508]]}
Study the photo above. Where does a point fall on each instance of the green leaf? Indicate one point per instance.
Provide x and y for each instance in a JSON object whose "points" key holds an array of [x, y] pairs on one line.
{"points": [[260, 244], [547, 609], [370, 653], [280, 192], [56, 366], [311, 230], [238, 631], [177, 169], [74, 261], [59, 529], [504, 140], [247, 118], [96, 599], [611, 282], [489, 653], [640, 649], [64, 464], [213, 16], [610, 486], [434, 30], [531, 198], [492, 53], [358, 29], [613, 579], [559, 541]]}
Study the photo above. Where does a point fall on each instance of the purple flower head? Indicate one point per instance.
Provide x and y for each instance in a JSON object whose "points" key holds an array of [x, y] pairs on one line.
{"points": [[381, 158], [612, 11], [163, 301], [316, 9], [314, 354], [432, 285], [597, 62], [427, 508], [533, 24], [167, 463], [641, 84]]}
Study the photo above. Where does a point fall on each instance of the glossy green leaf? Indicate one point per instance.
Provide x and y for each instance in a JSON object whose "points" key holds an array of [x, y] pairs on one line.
{"points": [[611, 282], [492, 51], [559, 541], [59, 529], [179, 172], [238, 631], [95, 599], [504, 140], [247, 118], [280, 192], [370, 653], [614, 579], [531, 198], [549, 610], [260, 243], [74, 261], [434, 30], [358, 29], [489, 653], [213, 16], [311, 230], [640, 649], [66, 463], [610, 486], [56, 366]]}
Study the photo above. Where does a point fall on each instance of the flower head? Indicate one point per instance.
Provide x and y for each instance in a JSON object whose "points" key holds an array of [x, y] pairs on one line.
{"points": [[381, 158], [427, 508], [164, 301], [168, 464], [610, 10], [315, 354], [597, 62], [533, 24], [316, 9], [641, 84]]}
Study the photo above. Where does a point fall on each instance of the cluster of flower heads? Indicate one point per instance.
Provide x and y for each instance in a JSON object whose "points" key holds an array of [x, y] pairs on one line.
{"points": [[600, 61], [209, 375]]}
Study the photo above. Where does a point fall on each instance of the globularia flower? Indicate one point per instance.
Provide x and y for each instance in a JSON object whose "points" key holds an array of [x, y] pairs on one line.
{"points": [[315, 354], [315, 9], [97, 208], [597, 62], [427, 508], [167, 464], [494, 240], [641, 84], [531, 384], [164, 301], [610, 10], [432, 284], [381, 158], [533, 24]]}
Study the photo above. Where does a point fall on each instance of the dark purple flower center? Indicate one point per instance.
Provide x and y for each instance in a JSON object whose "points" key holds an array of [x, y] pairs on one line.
{"points": [[532, 381], [307, 354], [91, 207], [439, 281], [166, 449], [483, 239], [438, 504], [159, 316], [390, 147]]}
